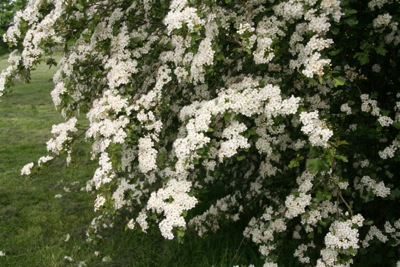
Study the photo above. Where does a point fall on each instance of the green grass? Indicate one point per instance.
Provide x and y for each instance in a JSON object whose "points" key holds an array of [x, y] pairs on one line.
{"points": [[34, 224]]}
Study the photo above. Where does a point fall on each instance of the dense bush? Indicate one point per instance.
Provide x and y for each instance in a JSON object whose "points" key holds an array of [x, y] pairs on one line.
{"points": [[282, 115]]}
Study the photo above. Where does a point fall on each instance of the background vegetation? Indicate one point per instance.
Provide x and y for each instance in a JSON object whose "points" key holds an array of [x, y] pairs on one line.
{"points": [[7, 11]]}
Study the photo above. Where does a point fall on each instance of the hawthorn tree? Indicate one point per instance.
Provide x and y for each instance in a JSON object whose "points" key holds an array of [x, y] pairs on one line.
{"points": [[281, 114]]}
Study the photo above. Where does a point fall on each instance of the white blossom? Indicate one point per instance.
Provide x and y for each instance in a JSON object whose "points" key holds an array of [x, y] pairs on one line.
{"points": [[99, 202], [378, 189], [382, 20], [315, 129], [44, 159], [26, 170]]}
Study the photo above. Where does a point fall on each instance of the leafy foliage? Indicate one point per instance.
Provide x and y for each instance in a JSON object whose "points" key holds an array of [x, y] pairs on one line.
{"points": [[7, 11], [280, 115]]}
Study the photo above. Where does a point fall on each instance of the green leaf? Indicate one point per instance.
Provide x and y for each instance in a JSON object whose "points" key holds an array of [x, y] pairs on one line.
{"points": [[335, 30], [397, 125], [319, 196], [317, 165], [342, 142], [350, 12], [352, 251], [310, 235], [161, 157], [335, 52], [380, 50], [219, 57], [240, 158], [351, 21], [328, 196], [181, 233], [86, 37], [368, 222], [294, 163], [323, 223], [362, 57], [342, 158], [338, 82], [79, 6]]}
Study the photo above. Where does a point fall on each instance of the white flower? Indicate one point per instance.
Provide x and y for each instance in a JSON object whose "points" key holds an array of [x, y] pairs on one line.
{"points": [[263, 48], [141, 220], [319, 24], [296, 205], [104, 174], [376, 68], [106, 259], [377, 3], [147, 155], [175, 19], [270, 264], [315, 129], [345, 108], [374, 232], [68, 236], [385, 121], [234, 142], [99, 202], [26, 170], [378, 189], [44, 159], [342, 235], [301, 249], [57, 92], [172, 201], [243, 27], [204, 56], [2, 254], [353, 127], [382, 21], [315, 66], [68, 258], [121, 70], [131, 224], [61, 135]]}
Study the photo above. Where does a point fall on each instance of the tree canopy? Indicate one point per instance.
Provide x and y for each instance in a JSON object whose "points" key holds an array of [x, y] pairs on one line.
{"points": [[280, 115]]}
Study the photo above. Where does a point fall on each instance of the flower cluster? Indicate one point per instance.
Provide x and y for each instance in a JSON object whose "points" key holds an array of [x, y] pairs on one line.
{"points": [[172, 200], [343, 237], [62, 138], [318, 133]]}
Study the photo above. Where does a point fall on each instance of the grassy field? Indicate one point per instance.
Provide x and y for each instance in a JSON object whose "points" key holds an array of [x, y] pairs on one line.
{"points": [[34, 225]]}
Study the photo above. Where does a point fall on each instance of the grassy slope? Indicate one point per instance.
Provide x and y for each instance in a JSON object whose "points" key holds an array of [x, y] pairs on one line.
{"points": [[34, 224]]}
